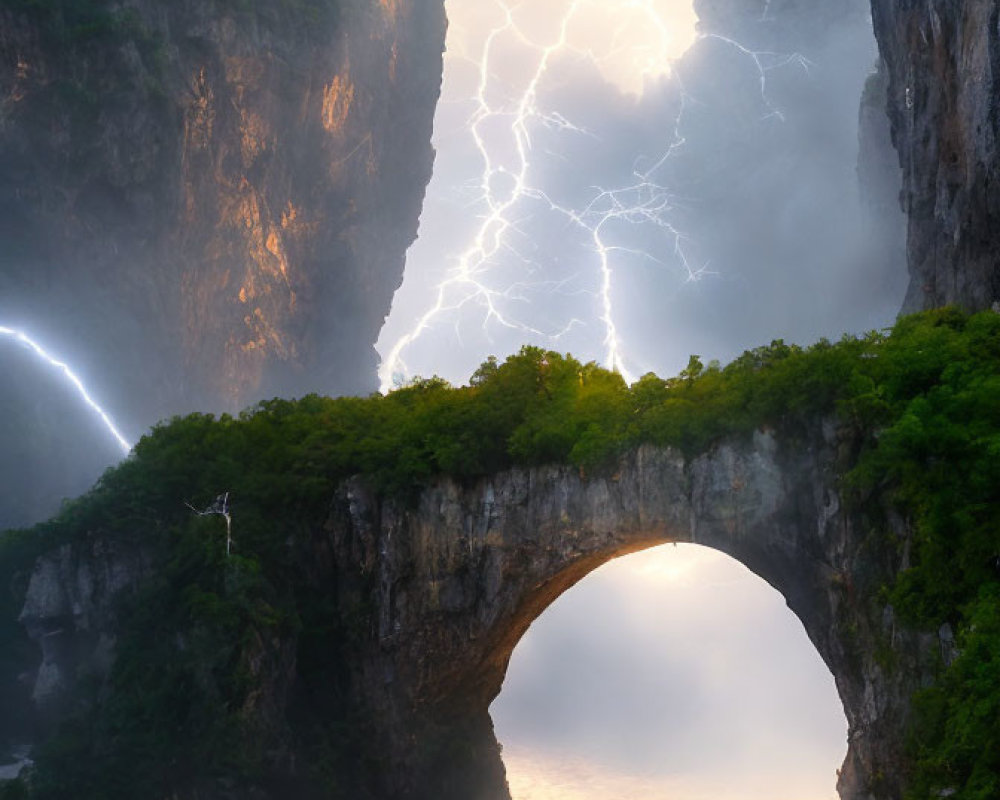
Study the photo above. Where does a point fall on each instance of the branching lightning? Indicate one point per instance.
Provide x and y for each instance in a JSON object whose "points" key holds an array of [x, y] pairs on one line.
{"points": [[219, 507], [71, 377], [510, 194]]}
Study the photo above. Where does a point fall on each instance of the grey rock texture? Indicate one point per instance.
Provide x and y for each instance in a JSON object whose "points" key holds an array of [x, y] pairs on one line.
{"points": [[943, 58], [70, 611], [203, 204], [217, 197], [436, 594]]}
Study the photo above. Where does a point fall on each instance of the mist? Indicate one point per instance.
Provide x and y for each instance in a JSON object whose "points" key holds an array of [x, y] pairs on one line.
{"points": [[675, 672], [753, 227]]}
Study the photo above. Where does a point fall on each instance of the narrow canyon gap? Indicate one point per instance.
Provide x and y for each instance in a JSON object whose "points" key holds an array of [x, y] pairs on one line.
{"points": [[741, 188]]}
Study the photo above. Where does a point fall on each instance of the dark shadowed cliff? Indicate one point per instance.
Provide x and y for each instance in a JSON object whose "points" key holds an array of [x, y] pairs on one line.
{"points": [[943, 58], [207, 203]]}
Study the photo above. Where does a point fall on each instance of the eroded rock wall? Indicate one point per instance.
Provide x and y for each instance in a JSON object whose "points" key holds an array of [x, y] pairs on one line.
{"points": [[203, 204], [943, 60], [434, 595], [70, 612]]}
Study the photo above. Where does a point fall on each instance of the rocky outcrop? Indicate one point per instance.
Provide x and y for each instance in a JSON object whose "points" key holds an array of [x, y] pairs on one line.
{"points": [[209, 203], [202, 204], [70, 612], [943, 58]]}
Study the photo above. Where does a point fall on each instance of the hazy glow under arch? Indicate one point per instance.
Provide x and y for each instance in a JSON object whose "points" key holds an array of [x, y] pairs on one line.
{"points": [[671, 674], [71, 377]]}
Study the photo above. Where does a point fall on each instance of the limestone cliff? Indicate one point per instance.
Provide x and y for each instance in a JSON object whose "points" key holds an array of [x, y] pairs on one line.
{"points": [[438, 594], [202, 204], [943, 57], [208, 203], [69, 610]]}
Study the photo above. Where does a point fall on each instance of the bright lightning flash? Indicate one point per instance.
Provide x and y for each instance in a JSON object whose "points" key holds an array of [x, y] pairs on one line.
{"points": [[71, 377], [504, 127]]}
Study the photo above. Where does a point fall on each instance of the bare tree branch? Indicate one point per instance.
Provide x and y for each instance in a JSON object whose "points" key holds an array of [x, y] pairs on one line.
{"points": [[219, 506]]}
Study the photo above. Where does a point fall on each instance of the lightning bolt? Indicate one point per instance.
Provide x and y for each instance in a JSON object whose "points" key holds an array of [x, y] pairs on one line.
{"points": [[71, 377], [506, 192]]}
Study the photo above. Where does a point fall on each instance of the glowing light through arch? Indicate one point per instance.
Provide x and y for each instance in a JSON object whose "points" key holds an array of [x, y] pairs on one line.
{"points": [[22, 338]]}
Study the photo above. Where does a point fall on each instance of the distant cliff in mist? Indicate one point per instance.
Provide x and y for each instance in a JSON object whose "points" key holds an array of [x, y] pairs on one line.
{"points": [[767, 179]]}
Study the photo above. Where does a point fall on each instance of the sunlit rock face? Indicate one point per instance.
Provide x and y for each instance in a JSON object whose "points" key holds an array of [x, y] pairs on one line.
{"points": [[942, 58], [213, 199]]}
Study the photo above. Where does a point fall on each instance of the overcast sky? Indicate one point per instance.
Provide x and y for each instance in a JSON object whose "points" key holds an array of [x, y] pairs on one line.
{"points": [[722, 191]]}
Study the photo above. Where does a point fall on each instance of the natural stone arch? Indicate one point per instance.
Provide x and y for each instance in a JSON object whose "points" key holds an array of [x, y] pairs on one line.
{"points": [[456, 581]]}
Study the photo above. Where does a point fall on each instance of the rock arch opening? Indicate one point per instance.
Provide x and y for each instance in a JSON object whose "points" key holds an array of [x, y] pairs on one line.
{"points": [[674, 672]]}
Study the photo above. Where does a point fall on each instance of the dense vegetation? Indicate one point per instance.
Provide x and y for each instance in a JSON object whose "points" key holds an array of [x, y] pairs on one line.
{"points": [[923, 401]]}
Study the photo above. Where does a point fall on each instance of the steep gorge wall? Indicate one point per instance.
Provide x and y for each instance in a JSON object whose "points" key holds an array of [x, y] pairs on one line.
{"points": [[208, 203], [938, 73], [453, 584], [943, 60], [202, 204]]}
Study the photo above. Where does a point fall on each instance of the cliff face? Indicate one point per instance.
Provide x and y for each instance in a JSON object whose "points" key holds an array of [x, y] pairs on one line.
{"points": [[943, 58], [202, 204], [207, 203], [69, 610], [439, 594]]}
